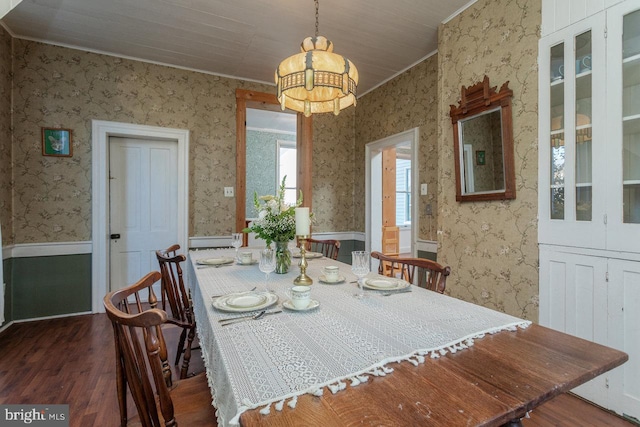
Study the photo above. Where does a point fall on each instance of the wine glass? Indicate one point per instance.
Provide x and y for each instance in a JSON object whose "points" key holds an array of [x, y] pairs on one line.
{"points": [[360, 267], [236, 242], [267, 264]]}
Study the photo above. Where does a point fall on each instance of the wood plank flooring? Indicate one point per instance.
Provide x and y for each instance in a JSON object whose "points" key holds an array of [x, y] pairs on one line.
{"points": [[71, 360]]}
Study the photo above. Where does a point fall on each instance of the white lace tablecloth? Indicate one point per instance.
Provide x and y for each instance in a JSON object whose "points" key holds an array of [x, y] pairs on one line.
{"points": [[267, 363]]}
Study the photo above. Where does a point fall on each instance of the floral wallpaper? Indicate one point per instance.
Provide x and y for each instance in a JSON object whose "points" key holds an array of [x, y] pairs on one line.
{"points": [[61, 87], [491, 246], [333, 172], [6, 219], [405, 102]]}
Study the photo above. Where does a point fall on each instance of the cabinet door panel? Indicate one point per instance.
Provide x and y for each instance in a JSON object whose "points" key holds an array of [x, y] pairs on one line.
{"points": [[624, 334], [572, 289], [623, 158], [572, 173]]}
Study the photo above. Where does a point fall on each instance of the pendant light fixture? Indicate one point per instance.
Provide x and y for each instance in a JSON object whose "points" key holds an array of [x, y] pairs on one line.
{"points": [[316, 80]]}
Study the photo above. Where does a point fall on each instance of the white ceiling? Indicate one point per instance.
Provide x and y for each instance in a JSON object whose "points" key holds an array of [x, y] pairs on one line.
{"points": [[243, 39]]}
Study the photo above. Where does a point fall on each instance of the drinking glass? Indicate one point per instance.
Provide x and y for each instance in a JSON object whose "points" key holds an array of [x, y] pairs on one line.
{"points": [[360, 267], [267, 264], [236, 242]]}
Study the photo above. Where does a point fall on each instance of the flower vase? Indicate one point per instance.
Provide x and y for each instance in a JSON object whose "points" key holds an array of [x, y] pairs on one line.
{"points": [[283, 257]]}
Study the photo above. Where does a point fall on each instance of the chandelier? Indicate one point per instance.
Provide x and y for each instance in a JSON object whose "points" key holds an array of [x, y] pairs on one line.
{"points": [[316, 80]]}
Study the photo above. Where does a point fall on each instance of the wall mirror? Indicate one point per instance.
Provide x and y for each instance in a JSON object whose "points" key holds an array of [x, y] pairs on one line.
{"points": [[483, 143], [266, 102]]}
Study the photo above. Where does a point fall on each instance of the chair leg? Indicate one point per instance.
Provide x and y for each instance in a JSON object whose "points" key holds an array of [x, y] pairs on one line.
{"points": [[180, 350], [187, 353]]}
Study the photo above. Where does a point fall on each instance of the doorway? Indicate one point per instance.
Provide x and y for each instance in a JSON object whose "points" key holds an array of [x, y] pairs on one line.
{"points": [[398, 152], [102, 131], [246, 100]]}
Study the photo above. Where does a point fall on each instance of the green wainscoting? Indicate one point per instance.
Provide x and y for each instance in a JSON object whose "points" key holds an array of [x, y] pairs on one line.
{"points": [[48, 286], [427, 255], [6, 273], [346, 246]]}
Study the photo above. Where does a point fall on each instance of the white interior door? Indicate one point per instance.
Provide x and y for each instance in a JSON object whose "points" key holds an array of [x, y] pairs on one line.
{"points": [[143, 205]]}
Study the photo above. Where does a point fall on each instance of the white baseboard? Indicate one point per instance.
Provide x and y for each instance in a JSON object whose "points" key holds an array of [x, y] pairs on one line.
{"points": [[35, 319], [6, 326]]}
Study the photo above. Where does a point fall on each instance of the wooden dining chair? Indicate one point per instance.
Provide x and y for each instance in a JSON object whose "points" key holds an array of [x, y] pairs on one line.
{"points": [[417, 271], [328, 248], [180, 305], [391, 240], [139, 344], [390, 245]]}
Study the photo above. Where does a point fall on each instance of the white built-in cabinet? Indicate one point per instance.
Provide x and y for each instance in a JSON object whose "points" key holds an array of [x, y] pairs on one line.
{"points": [[589, 188]]}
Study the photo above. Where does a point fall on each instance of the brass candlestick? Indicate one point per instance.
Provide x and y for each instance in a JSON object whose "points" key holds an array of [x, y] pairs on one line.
{"points": [[303, 279]]}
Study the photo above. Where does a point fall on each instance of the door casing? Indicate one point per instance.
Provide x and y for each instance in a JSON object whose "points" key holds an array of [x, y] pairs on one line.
{"points": [[101, 132]]}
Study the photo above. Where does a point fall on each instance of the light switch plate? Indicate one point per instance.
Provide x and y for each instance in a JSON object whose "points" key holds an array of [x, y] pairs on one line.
{"points": [[228, 191], [423, 189]]}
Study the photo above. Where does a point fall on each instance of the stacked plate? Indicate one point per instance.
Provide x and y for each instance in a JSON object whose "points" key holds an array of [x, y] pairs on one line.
{"points": [[385, 284], [214, 261], [307, 255], [240, 302]]}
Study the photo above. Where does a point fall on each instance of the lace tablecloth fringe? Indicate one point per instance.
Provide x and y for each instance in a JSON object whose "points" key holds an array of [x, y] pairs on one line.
{"points": [[379, 370]]}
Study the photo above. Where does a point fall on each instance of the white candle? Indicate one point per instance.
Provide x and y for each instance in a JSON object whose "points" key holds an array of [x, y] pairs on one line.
{"points": [[302, 221]]}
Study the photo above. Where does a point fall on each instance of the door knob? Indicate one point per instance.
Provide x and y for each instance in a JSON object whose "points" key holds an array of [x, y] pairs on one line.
{"points": [[115, 236]]}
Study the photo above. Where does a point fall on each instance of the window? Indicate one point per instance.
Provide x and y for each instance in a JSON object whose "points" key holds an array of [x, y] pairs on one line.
{"points": [[287, 159], [403, 192]]}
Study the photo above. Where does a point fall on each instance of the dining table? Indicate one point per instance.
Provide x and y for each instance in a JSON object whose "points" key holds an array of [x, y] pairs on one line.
{"points": [[399, 355]]}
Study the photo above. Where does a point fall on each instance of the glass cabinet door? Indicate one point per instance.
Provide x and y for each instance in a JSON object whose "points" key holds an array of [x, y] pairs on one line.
{"points": [[631, 118], [573, 150], [583, 127], [557, 131]]}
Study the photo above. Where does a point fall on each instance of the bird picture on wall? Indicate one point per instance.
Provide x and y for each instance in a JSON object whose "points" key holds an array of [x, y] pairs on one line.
{"points": [[56, 142]]}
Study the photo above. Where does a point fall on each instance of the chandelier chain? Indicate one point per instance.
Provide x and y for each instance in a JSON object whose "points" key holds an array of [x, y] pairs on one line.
{"points": [[317, 14]]}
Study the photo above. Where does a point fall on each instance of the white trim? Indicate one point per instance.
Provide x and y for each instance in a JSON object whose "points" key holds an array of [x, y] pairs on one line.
{"points": [[6, 326], [36, 319], [7, 252], [427, 246], [6, 6], [209, 242], [25, 250], [340, 235], [428, 55], [412, 135], [199, 242], [148, 61], [459, 11], [101, 132]]}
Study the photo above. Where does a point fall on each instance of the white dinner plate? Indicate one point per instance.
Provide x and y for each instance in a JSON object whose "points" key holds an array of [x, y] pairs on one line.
{"points": [[307, 255], [240, 302], [385, 284], [214, 261], [323, 279], [253, 261], [312, 304], [246, 300]]}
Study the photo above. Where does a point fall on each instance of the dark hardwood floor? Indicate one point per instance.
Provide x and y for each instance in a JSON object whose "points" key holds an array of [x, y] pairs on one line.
{"points": [[71, 361]]}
